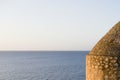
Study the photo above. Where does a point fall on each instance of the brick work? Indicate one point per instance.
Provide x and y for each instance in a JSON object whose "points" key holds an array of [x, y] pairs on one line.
{"points": [[103, 62], [102, 67]]}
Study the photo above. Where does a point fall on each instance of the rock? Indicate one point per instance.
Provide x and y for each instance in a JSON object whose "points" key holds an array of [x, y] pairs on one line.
{"points": [[105, 57], [109, 44]]}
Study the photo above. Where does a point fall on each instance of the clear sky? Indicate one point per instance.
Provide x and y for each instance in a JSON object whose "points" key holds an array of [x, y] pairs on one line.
{"points": [[55, 24]]}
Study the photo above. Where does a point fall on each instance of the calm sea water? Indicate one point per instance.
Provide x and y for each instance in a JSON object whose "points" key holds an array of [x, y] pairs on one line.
{"points": [[43, 65]]}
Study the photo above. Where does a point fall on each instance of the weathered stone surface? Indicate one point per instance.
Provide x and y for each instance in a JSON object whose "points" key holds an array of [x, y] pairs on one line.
{"points": [[103, 62], [109, 44]]}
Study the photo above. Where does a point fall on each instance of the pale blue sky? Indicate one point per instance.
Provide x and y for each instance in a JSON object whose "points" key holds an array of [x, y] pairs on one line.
{"points": [[55, 24]]}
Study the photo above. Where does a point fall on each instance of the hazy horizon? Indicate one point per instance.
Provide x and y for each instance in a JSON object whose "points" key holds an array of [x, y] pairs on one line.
{"points": [[55, 25], [43, 50]]}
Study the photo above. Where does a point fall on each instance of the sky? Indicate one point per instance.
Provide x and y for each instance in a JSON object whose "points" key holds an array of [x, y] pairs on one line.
{"points": [[55, 24]]}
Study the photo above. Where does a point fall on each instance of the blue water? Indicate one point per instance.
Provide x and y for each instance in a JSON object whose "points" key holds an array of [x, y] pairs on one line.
{"points": [[42, 65]]}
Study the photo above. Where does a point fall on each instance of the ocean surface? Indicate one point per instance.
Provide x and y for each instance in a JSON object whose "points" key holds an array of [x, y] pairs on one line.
{"points": [[42, 65]]}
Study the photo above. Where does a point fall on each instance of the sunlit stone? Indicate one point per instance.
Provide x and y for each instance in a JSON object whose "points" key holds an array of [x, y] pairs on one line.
{"points": [[105, 57]]}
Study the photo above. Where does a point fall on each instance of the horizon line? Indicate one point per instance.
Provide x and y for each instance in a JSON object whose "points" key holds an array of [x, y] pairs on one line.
{"points": [[43, 50]]}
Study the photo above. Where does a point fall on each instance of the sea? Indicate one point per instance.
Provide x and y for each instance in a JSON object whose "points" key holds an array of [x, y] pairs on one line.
{"points": [[42, 65]]}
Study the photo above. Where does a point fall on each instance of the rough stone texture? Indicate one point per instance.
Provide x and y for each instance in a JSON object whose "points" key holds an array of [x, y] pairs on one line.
{"points": [[103, 62], [102, 68]]}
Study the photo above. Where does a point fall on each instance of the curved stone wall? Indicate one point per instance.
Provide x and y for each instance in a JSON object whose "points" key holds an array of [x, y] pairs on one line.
{"points": [[102, 67], [103, 62]]}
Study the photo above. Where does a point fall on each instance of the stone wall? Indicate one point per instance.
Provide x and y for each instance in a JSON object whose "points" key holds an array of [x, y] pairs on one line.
{"points": [[102, 67]]}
